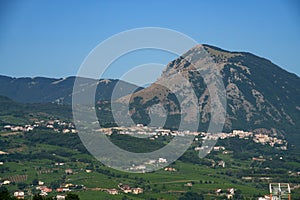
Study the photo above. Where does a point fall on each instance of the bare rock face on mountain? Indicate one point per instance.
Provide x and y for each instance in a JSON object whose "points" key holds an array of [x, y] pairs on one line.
{"points": [[259, 94]]}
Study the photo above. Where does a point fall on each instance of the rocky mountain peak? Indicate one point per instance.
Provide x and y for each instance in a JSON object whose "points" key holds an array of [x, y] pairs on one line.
{"points": [[260, 95]]}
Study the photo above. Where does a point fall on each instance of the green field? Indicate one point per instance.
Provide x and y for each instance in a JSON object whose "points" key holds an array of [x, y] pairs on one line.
{"points": [[33, 155]]}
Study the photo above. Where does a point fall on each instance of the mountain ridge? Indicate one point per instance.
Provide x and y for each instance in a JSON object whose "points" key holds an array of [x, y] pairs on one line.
{"points": [[260, 94], [46, 90], [251, 54]]}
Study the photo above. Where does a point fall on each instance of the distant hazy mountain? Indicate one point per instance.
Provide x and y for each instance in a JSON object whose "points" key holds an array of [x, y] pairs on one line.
{"points": [[44, 90], [260, 95]]}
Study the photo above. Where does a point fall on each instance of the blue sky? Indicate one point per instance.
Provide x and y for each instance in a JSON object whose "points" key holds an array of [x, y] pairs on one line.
{"points": [[52, 38]]}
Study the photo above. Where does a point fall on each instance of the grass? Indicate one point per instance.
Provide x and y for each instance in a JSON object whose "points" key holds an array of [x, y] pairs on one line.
{"points": [[159, 184]]}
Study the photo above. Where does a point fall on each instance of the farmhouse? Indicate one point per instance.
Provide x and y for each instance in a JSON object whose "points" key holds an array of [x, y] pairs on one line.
{"points": [[17, 128], [43, 194], [219, 148], [69, 171], [170, 169], [60, 197], [138, 167], [19, 195], [221, 163], [162, 160], [68, 185], [59, 164], [112, 191], [46, 190], [66, 131], [188, 184], [137, 190], [7, 127], [218, 191], [259, 159], [125, 188], [231, 190], [6, 182], [66, 190], [3, 153]]}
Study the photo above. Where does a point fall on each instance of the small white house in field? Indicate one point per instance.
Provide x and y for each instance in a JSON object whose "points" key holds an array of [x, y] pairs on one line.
{"points": [[231, 190], [7, 127], [69, 171], [3, 153], [6, 182], [19, 195], [112, 191], [60, 197], [162, 160], [137, 190]]}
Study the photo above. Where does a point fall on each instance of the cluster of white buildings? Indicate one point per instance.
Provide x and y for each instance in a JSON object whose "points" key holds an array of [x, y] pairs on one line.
{"points": [[272, 141], [151, 132], [229, 193], [258, 138], [125, 189], [19, 194], [142, 167], [5, 182], [25, 128], [56, 125], [154, 133]]}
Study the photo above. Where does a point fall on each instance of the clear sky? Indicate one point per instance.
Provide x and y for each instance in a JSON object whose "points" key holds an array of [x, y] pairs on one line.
{"points": [[52, 37]]}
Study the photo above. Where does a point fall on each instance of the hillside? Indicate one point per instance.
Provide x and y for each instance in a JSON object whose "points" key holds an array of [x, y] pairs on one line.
{"points": [[15, 113], [46, 155], [45, 90], [261, 96]]}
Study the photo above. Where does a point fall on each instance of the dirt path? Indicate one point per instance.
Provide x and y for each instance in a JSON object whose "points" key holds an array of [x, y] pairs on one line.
{"points": [[176, 181], [11, 133]]}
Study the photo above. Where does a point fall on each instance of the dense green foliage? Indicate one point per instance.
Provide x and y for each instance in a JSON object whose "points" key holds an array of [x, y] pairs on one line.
{"points": [[4, 194]]}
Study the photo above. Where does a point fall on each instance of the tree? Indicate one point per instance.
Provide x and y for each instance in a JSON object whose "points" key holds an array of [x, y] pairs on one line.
{"points": [[37, 197], [22, 185], [192, 196], [238, 195], [35, 182], [4, 194], [55, 184], [72, 197]]}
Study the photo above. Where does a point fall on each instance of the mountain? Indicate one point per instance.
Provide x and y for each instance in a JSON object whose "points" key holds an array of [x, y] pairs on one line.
{"points": [[45, 90], [260, 95]]}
